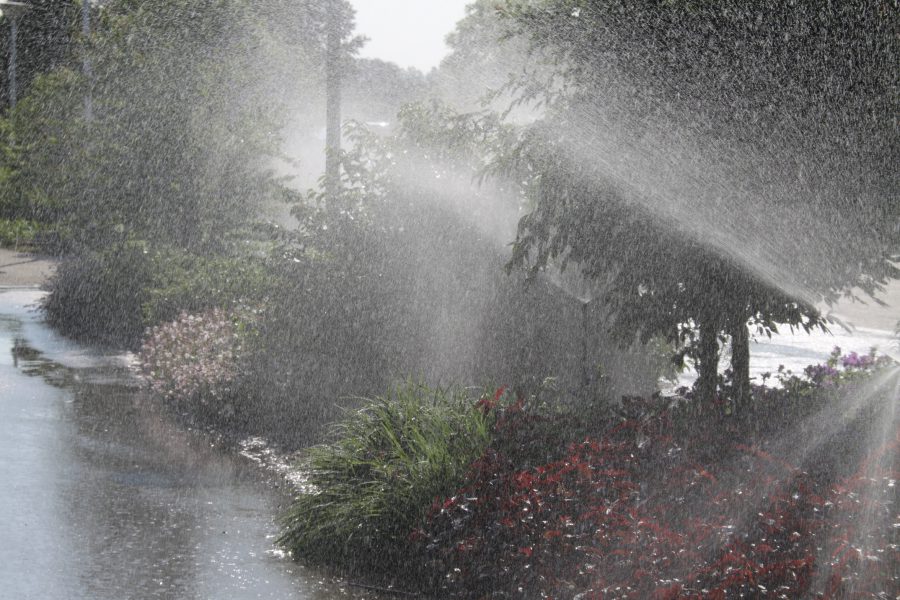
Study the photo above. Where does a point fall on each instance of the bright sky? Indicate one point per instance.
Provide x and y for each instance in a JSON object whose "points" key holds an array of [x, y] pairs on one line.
{"points": [[407, 32]]}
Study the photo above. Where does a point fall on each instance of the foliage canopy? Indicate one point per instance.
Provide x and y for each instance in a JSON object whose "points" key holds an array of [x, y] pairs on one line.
{"points": [[698, 160]]}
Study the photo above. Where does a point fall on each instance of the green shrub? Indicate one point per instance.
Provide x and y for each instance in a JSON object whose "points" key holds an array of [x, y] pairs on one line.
{"points": [[374, 483], [187, 282], [112, 296], [98, 296], [16, 233]]}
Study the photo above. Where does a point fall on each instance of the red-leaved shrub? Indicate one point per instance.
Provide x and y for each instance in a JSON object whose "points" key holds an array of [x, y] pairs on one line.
{"points": [[636, 513]]}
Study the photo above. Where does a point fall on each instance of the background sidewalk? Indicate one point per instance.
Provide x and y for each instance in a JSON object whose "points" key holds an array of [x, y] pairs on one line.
{"points": [[23, 269]]}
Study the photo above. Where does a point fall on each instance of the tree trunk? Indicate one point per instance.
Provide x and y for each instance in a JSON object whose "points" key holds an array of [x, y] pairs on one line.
{"points": [[333, 107], [708, 363], [740, 366]]}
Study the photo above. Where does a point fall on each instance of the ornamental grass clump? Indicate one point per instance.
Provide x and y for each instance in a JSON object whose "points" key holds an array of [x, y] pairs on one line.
{"points": [[196, 357], [375, 481]]}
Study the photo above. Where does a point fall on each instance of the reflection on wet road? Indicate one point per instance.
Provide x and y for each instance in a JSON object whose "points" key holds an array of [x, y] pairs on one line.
{"points": [[103, 496]]}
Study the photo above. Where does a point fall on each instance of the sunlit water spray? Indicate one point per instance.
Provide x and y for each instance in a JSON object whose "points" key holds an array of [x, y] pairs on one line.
{"points": [[802, 447], [880, 487], [493, 209], [670, 175], [802, 443], [762, 202]]}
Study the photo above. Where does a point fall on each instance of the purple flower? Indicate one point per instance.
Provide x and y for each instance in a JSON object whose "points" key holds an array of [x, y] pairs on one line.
{"points": [[851, 360]]}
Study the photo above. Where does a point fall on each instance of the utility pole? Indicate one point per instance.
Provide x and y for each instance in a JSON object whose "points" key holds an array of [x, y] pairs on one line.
{"points": [[12, 11], [333, 103], [86, 65]]}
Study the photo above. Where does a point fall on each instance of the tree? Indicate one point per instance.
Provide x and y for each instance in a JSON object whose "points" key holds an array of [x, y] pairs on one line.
{"points": [[699, 159], [188, 101], [375, 90], [46, 40], [482, 60]]}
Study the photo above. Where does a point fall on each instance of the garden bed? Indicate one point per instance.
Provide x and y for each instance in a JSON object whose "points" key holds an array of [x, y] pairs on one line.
{"points": [[658, 499]]}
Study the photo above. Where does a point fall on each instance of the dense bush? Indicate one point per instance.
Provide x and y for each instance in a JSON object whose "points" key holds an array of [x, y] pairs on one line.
{"points": [[98, 296], [112, 296], [187, 282], [374, 482]]}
